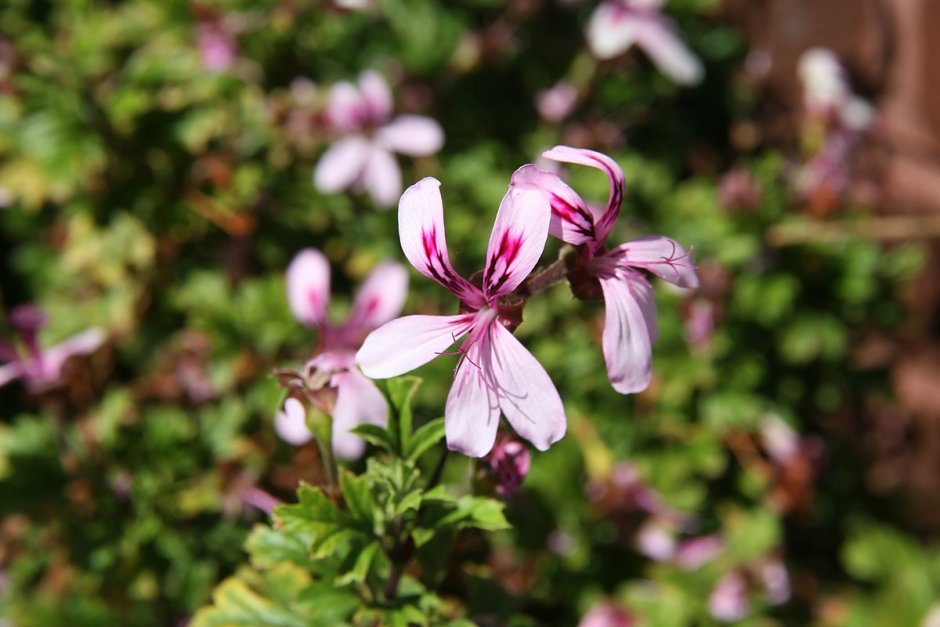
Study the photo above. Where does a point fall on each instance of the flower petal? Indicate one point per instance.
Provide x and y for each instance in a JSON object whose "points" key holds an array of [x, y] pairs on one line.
{"points": [[380, 297], [627, 341], [517, 240], [610, 31], [658, 38], [421, 231], [342, 164], [308, 287], [376, 96], [526, 394], [660, 255], [291, 423], [403, 344], [82, 343], [358, 402], [471, 414], [344, 107], [571, 221], [10, 372], [413, 135], [382, 177], [590, 158]]}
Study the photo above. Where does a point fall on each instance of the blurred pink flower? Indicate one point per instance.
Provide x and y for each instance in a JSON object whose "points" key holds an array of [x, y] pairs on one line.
{"points": [[656, 540], [728, 600], [607, 614], [616, 25], [379, 299], [630, 327], [494, 372], [696, 552], [217, 48], [775, 580], [363, 157], [739, 190], [699, 322], [556, 103], [40, 368], [509, 463]]}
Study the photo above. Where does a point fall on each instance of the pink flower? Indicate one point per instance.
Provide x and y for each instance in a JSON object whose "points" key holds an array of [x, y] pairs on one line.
{"points": [[509, 463], [695, 552], [353, 399], [607, 614], [362, 158], [216, 46], [494, 372], [41, 368], [556, 103], [728, 600], [630, 326], [616, 25], [827, 94]]}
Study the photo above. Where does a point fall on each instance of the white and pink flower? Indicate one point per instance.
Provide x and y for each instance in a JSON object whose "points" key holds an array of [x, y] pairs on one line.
{"points": [[495, 373], [617, 25], [630, 326], [363, 158], [332, 372]]}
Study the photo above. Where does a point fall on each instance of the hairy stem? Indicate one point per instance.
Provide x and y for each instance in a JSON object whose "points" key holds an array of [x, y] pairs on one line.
{"points": [[545, 278]]}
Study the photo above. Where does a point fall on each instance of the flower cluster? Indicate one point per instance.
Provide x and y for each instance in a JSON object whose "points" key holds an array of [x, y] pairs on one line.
{"points": [[495, 373]]}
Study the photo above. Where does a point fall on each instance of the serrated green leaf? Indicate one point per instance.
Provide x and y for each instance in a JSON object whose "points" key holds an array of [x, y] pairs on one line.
{"points": [[400, 391], [375, 435], [357, 496], [424, 438], [360, 569], [268, 547], [477, 512]]}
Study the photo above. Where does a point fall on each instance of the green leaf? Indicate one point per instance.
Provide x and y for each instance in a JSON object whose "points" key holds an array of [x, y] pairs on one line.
{"points": [[424, 438], [235, 603], [401, 391], [357, 496], [360, 569], [269, 547], [375, 435], [478, 512]]}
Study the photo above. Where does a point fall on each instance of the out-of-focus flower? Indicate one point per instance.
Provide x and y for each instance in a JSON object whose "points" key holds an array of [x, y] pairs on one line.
{"points": [[40, 368], [607, 614], [330, 379], [216, 45], [354, 5], [728, 601], [656, 540], [616, 25], [696, 552], [363, 157], [699, 322], [739, 190], [556, 103], [775, 580], [826, 91], [494, 372], [509, 463], [630, 326]]}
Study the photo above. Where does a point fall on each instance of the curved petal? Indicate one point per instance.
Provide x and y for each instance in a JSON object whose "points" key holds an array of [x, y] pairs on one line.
{"points": [[308, 286], [471, 415], [358, 402], [380, 297], [517, 240], [382, 177], [610, 31], [571, 221], [658, 39], [291, 423], [342, 164], [376, 96], [10, 372], [627, 342], [660, 255], [344, 107], [412, 135], [82, 343], [608, 166], [421, 231], [403, 344], [526, 394]]}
